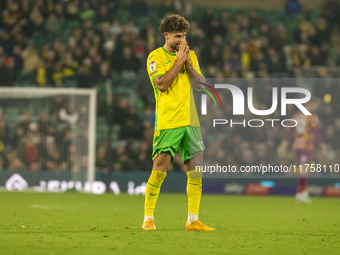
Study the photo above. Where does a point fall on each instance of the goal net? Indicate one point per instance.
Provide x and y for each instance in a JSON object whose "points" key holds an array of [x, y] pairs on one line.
{"points": [[47, 133]]}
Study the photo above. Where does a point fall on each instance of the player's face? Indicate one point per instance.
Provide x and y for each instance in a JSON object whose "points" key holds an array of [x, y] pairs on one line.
{"points": [[174, 39]]}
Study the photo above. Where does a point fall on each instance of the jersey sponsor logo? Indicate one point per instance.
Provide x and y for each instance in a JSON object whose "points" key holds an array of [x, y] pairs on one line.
{"points": [[153, 73], [152, 65]]}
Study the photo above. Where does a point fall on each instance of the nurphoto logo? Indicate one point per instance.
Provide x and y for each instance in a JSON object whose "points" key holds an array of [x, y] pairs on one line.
{"points": [[238, 105]]}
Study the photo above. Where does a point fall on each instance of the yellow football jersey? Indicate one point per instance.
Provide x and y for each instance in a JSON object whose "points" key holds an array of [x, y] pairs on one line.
{"points": [[174, 107]]}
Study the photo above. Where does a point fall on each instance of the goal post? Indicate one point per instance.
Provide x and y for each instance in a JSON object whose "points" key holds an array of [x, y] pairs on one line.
{"points": [[63, 141]]}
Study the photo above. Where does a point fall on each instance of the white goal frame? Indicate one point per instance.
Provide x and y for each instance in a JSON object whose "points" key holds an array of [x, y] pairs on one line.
{"points": [[92, 93]]}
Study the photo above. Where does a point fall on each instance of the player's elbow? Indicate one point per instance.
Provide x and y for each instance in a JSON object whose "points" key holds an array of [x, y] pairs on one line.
{"points": [[161, 88], [160, 85]]}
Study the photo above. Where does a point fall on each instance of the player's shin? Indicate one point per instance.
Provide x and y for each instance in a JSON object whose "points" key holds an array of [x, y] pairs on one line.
{"points": [[302, 184], [153, 188], [194, 192]]}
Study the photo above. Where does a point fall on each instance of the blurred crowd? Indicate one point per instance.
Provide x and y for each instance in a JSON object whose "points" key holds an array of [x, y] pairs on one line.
{"points": [[85, 43], [51, 134]]}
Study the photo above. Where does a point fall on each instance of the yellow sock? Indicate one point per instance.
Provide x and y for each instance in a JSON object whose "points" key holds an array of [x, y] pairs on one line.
{"points": [[194, 191], [153, 188]]}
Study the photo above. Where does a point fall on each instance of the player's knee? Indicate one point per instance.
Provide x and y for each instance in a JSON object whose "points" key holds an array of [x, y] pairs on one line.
{"points": [[162, 161], [195, 162]]}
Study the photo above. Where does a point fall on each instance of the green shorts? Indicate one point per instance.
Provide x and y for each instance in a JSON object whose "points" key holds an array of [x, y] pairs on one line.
{"points": [[188, 140]]}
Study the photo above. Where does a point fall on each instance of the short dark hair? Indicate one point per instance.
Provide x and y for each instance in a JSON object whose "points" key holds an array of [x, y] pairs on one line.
{"points": [[174, 23]]}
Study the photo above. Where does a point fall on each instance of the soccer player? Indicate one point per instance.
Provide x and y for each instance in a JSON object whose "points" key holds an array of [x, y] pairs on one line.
{"points": [[176, 127], [306, 133]]}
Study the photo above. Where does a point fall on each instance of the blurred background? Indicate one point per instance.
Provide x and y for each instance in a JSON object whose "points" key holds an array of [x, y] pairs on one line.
{"points": [[104, 44]]}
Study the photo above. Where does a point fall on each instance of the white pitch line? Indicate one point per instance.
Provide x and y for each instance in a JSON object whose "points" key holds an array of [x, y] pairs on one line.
{"points": [[44, 206]]}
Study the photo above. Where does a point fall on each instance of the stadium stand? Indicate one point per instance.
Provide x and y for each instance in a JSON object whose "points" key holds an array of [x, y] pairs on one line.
{"points": [[82, 44]]}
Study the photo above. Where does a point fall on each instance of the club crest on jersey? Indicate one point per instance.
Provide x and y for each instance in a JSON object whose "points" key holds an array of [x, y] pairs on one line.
{"points": [[152, 65]]}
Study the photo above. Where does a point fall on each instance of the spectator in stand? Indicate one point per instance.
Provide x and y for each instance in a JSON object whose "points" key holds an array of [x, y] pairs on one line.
{"points": [[53, 24], [235, 62], [337, 134], [195, 36], [44, 123], [183, 8], [6, 42], [315, 57], [31, 152], [13, 161], [65, 145], [207, 19], [51, 134], [7, 72], [127, 62], [275, 65], [18, 138], [83, 117], [17, 51], [58, 103], [138, 8], [255, 21], [4, 136], [132, 127], [212, 57], [2, 163], [33, 133], [84, 78], [68, 115], [44, 51], [95, 68], [30, 59], [70, 65], [330, 10], [42, 75], [320, 90], [108, 54], [86, 11], [143, 162], [104, 73], [167, 7], [12, 15], [115, 28], [2, 54], [25, 122], [120, 111], [104, 16], [293, 7], [323, 30], [58, 75], [36, 19], [59, 11], [102, 157], [52, 159], [72, 11]]}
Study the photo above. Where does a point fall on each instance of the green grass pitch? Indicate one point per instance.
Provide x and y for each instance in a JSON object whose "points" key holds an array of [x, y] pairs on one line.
{"points": [[73, 223]]}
